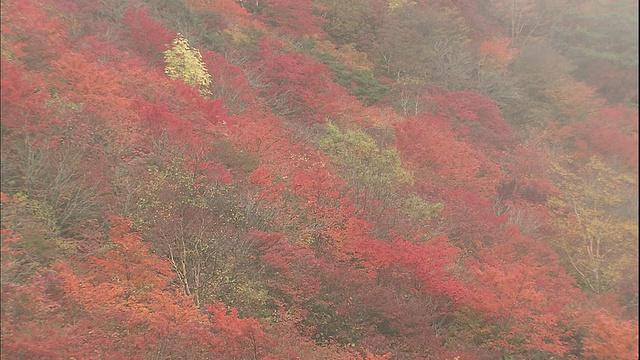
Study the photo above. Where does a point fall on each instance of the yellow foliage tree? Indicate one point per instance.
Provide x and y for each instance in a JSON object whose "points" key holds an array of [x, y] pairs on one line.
{"points": [[375, 173], [397, 4], [185, 63], [598, 237]]}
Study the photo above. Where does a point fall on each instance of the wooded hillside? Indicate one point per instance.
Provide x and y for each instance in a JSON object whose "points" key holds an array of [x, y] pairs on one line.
{"points": [[319, 179]]}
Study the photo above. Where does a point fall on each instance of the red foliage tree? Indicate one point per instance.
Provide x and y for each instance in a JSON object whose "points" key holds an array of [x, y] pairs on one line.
{"points": [[242, 337], [527, 171], [609, 338], [149, 37], [293, 17], [521, 287], [160, 120], [39, 32], [229, 82], [119, 303], [84, 82], [612, 133], [22, 99], [298, 85], [229, 9], [429, 145], [475, 118], [293, 267]]}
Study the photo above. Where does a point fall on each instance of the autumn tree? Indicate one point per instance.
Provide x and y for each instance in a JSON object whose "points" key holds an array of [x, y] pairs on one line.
{"points": [[185, 63], [526, 295], [427, 43], [351, 69], [35, 34], [23, 102], [429, 146], [229, 82], [121, 302], [355, 21], [475, 119], [612, 133], [523, 20], [376, 174], [297, 86], [288, 16], [198, 224], [150, 37], [227, 8], [325, 179], [609, 337], [85, 82], [596, 240], [589, 36], [573, 101]]}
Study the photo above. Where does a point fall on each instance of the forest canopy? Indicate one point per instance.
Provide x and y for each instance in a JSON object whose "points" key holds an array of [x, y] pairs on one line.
{"points": [[319, 179]]}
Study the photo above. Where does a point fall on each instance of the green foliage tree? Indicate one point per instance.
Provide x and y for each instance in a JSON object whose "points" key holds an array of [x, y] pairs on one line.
{"points": [[601, 39], [375, 173], [359, 79]]}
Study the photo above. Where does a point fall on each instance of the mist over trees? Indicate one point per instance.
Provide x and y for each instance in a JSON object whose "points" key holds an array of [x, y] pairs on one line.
{"points": [[319, 179]]}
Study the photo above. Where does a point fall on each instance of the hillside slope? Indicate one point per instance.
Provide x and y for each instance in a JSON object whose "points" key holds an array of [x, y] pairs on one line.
{"points": [[298, 179]]}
